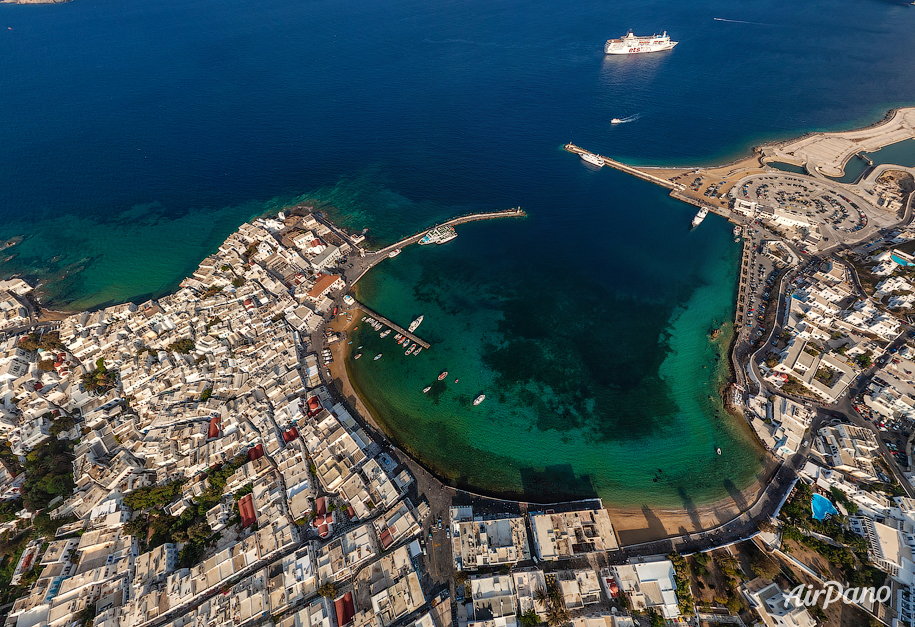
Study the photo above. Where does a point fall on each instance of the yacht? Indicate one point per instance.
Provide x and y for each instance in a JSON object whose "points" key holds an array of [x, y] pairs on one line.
{"points": [[700, 217], [415, 324], [593, 159], [479, 399]]}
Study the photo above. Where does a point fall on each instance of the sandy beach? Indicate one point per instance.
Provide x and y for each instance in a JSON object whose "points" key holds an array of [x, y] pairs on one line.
{"points": [[633, 524]]}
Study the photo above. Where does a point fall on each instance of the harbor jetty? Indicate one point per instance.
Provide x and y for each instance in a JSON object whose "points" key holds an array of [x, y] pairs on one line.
{"points": [[369, 259], [393, 325], [642, 174]]}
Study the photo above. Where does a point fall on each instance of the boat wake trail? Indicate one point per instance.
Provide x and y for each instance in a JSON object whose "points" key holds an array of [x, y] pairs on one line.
{"points": [[631, 118], [721, 19]]}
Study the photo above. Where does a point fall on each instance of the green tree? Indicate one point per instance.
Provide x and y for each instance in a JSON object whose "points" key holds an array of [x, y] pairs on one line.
{"points": [[328, 590], [529, 619]]}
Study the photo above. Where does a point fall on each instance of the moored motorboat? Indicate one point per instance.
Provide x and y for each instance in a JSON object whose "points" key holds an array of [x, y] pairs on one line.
{"points": [[377, 357], [479, 399], [427, 388], [442, 376], [385, 333], [417, 350], [394, 253], [357, 356], [415, 324]]}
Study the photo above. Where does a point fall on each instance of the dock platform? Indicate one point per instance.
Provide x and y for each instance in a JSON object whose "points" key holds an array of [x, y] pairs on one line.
{"points": [[393, 325], [570, 147]]}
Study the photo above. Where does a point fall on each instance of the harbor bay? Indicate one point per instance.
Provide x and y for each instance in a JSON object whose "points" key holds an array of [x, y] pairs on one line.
{"points": [[590, 318]]}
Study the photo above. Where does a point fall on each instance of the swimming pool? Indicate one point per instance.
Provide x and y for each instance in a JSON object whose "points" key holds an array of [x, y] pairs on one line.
{"points": [[822, 507], [900, 261]]}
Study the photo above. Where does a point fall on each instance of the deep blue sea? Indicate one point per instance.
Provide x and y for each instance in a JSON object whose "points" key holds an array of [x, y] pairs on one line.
{"points": [[136, 135]]}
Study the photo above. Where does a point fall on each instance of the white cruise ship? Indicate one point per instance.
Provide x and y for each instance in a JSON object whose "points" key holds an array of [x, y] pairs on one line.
{"points": [[630, 44], [697, 220], [438, 235], [593, 159]]}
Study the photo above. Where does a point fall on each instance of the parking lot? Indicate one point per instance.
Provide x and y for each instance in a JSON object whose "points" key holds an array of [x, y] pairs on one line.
{"points": [[812, 199]]}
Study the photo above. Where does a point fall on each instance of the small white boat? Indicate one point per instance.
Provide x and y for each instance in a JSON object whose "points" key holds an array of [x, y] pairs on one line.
{"points": [[616, 121], [398, 336], [427, 388], [358, 355], [417, 350], [479, 399], [718, 450], [415, 324], [377, 357], [394, 253], [385, 333]]}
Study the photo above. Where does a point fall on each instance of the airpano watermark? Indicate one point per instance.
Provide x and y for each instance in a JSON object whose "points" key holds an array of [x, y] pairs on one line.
{"points": [[832, 591]]}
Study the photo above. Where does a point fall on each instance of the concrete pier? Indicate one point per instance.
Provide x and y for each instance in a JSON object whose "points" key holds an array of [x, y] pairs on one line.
{"points": [[570, 147], [396, 327], [472, 217]]}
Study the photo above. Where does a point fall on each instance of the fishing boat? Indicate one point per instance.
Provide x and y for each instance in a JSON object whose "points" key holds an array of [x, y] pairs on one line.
{"points": [[385, 333], [427, 388], [479, 399], [357, 356], [442, 376], [377, 357]]}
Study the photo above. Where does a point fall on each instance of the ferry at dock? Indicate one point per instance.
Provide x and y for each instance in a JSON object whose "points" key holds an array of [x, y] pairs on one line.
{"points": [[631, 44], [697, 220], [593, 159]]}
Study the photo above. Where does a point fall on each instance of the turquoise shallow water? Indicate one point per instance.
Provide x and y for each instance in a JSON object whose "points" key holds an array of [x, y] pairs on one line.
{"points": [[591, 347], [136, 136]]}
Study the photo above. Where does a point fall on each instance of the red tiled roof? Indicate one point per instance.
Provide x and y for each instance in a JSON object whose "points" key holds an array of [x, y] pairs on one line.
{"points": [[246, 509], [345, 608], [322, 284], [386, 538], [256, 453], [290, 434], [314, 404], [322, 520], [213, 431]]}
